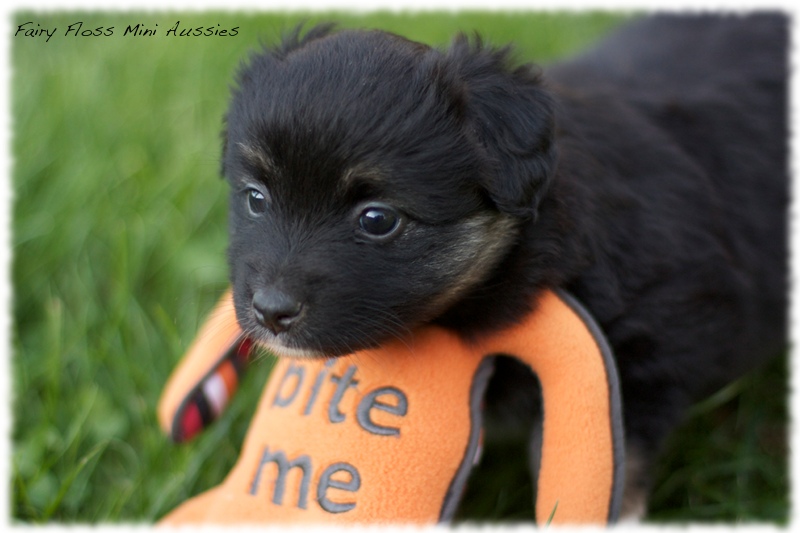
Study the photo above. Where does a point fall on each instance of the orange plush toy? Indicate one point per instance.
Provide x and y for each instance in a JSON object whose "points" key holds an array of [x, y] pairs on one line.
{"points": [[390, 435]]}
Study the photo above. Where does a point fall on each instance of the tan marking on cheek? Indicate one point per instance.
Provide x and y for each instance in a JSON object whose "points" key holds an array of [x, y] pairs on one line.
{"points": [[486, 241]]}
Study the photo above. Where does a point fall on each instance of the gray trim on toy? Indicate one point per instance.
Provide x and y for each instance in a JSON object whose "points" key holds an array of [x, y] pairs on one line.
{"points": [[614, 401], [476, 392]]}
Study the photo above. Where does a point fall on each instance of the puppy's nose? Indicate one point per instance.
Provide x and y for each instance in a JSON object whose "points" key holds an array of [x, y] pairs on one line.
{"points": [[275, 310]]}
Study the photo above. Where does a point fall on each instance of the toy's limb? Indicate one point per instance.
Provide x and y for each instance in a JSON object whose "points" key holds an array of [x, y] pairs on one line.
{"points": [[582, 472], [614, 404], [201, 386], [582, 419]]}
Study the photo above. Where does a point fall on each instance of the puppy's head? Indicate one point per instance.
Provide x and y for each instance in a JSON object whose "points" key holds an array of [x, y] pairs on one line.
{"points": [[375, 182]]}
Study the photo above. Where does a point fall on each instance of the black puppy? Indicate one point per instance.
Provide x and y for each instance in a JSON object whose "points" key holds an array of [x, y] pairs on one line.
{"points": [[379, 184]]}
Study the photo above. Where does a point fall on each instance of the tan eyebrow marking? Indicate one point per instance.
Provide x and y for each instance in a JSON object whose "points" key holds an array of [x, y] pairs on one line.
{"points": [[360, 174], [256, 157]]}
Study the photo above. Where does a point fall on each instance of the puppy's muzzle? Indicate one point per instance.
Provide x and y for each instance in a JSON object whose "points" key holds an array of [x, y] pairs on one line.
{"points": [[276, 310]]}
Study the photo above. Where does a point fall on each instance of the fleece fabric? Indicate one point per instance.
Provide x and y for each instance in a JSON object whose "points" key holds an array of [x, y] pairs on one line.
{"points": [[389, 435]]}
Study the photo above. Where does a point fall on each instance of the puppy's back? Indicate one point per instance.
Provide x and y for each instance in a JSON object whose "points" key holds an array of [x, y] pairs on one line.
{"points": [[667, 53]]}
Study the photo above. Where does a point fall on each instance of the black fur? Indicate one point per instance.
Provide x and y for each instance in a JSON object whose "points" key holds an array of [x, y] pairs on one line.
{"points": [[647, 176]]}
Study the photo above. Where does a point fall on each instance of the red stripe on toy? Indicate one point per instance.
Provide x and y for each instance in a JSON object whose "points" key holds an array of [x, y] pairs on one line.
{"points": [[243, 352], [212, 395], [192, 422]]}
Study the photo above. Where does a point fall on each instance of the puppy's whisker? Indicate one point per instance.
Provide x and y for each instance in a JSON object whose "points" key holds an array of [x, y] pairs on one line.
{"points": [[400, 334], [390, 326]]}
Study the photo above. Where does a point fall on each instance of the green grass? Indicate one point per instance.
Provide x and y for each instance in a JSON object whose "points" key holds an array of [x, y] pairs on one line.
{"points": [[118, 252]]}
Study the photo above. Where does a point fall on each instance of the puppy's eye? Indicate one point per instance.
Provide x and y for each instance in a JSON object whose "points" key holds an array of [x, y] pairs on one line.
{"points": [[256, 202], [379, 221]]}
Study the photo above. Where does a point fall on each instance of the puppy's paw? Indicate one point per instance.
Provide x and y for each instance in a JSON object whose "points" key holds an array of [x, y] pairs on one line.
{"points": [[636, 490]]}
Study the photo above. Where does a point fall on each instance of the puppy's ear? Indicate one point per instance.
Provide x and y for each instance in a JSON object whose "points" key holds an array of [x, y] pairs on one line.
{"points": [[509, 114]]}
